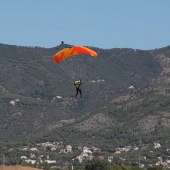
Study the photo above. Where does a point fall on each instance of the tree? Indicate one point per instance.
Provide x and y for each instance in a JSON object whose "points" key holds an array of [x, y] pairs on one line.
{"points": [[156, 168], [97, 164], [46, 166]]}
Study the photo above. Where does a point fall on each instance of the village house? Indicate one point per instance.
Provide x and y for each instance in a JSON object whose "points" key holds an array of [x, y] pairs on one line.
{"points": [[79, 147], [136, 148], [110, 158], [168, 161], [62, 150], [68, 149], [80, 158], [34, 149], [59, 97], [160, 159], [127, 148], [48, 144], [95, 149], [120, 149], [87, 151], [131, 87], [101, 157], [23, 157], [14, 102], [117, 152], [157, 145], [32, 155], [90, 157], [54, 148], [30, 161], [50, 161], [25, 148]]}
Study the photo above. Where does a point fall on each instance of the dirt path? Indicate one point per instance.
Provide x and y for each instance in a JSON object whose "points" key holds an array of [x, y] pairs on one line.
{"points": [[17, 168]]}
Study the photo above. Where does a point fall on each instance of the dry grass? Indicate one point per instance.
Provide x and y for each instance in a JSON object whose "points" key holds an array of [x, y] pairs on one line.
{"points": [[17, 168]]}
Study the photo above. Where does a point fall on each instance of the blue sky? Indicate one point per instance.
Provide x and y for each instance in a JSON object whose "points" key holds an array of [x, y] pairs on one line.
{"points": [[139, 24]]}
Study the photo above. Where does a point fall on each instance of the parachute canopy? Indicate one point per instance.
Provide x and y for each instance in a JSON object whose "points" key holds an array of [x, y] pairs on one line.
{"points": [[72, 51]]}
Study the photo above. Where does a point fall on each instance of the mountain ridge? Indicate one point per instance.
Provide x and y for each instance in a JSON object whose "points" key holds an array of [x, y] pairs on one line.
{"points": [[30, 75]]}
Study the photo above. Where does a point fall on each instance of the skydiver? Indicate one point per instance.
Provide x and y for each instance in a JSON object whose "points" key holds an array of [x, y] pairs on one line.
{"points": [[77, 84]]}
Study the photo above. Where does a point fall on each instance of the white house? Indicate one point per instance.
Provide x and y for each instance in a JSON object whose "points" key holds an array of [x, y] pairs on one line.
{"points": [[13, 102], [30, 161], [33, 149], [23, 157], [86, 151], [50, 161], [59, 97], [131, 87], [68, 148], [157, 145]]}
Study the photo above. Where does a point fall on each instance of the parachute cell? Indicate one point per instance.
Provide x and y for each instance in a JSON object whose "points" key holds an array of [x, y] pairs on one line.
{"points": [[72, 51]]}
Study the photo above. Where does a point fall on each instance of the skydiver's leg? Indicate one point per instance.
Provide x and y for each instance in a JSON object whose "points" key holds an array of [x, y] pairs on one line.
{"points": [[77, 92], [80, 93]]}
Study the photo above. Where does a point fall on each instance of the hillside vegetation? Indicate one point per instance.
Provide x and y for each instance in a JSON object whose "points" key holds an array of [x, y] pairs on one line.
{"points": [[31, 82]]}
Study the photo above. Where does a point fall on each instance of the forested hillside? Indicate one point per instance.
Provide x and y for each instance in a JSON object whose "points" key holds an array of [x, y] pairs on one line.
{"points": [[37, 95]]}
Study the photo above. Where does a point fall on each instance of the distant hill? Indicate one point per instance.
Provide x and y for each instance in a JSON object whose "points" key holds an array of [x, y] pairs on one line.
{"points": [[31, 83]]}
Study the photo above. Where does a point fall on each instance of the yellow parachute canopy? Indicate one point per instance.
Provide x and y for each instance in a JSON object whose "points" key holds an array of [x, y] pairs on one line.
{"points": [[72, 51]]}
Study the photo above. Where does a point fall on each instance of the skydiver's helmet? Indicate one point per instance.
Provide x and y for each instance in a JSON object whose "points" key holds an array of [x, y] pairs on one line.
{"points": [[77, 82]]}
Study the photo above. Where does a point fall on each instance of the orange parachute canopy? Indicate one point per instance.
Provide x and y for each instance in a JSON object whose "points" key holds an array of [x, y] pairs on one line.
{"points": [[72, 51]]}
